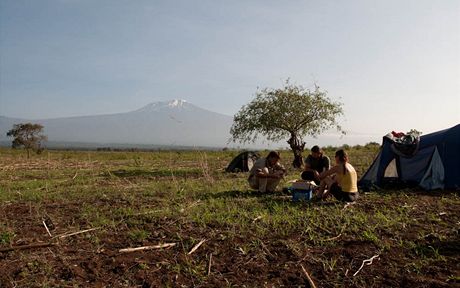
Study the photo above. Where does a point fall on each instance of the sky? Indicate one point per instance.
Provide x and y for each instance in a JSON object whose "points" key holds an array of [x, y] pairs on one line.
{"points": [[395, 65]]}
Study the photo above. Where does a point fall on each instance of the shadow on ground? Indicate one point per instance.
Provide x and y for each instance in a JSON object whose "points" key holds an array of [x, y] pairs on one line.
{"points": [[267, 198], [242, 194]]}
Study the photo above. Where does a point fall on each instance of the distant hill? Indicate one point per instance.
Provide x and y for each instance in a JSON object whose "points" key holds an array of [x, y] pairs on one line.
{"points": [[172, 123]]}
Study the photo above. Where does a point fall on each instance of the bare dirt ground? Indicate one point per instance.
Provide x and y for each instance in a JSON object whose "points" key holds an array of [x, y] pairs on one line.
{"points": [[82, 261]]}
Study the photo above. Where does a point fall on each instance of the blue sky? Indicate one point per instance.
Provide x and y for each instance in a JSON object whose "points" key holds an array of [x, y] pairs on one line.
{"points": [[394, 64]]}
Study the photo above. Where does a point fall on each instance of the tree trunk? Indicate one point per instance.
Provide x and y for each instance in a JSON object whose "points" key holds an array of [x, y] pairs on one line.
{"points": [[297, 147], [28, 153]]}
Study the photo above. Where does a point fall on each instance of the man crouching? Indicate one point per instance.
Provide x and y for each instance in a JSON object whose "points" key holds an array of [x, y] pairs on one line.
{"points": [[266, 173]]}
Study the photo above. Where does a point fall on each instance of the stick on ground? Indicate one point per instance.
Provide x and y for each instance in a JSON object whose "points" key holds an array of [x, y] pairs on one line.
{"points": [[165, 245], [46, 227], [210, 262], [257, 218], [367, 262], [196, 246], [334, 238], [76, 233], [310, 281]]}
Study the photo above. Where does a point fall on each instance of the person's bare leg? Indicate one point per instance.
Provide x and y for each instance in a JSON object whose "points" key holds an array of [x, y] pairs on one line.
{"points": [[326, 182], [272, 184], [320, 190], [263, 181], [329, 181]]}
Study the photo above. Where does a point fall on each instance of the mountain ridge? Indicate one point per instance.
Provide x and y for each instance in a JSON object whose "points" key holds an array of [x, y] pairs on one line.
{"points": [[175, 123]]}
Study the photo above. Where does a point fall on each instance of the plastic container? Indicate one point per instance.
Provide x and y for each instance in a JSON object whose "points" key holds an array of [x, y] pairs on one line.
{"points": [[301, 194]]}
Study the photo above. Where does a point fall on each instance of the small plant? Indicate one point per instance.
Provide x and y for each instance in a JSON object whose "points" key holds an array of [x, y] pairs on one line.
{"points": [[330, 264], [427, 252], [138, 235], [371, 236], [6, 237]]}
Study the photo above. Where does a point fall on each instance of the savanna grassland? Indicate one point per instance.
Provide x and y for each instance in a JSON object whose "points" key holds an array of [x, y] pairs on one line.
{"points": [[179, 199]]}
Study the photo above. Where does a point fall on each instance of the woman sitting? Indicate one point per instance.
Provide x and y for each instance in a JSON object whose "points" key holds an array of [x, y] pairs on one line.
{"points": [[341, 180]]}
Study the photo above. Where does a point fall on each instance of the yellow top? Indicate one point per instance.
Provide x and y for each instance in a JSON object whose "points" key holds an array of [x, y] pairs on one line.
{"points": [[348, 181]]}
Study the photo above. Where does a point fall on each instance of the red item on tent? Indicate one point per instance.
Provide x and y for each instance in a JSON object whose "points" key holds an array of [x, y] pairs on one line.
{"points": [[397, 134]]}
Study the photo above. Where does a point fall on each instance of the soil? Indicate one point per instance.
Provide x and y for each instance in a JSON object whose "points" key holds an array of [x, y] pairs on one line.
{"points": [[82, 261]]}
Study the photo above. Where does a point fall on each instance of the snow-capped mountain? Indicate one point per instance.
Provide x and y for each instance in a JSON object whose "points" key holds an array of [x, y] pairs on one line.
{"points": [[175, 122], [177, 104]]}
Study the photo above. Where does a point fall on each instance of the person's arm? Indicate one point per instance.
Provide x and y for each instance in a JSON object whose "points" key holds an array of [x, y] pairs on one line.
{"points": [[333, 170], [261, 174], [280, 167], [327, 163]]}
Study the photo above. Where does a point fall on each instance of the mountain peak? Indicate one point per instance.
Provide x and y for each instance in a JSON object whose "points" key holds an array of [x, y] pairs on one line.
{"points": [[172, 104], [177, 103]]}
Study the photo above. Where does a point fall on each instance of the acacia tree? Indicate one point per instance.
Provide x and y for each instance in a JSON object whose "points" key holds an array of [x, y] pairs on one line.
{"points": [[27, 135], [291, 112]]}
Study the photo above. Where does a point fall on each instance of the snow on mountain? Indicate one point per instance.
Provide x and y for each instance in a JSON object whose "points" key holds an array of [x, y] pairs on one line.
{"points": [[173, 104], [177, 103]]}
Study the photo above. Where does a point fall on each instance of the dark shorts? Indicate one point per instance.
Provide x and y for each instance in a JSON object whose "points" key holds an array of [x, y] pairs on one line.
{"points": [[337, 192]]}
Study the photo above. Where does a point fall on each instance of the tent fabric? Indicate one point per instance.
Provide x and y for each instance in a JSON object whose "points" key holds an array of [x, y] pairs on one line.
{"points": [[243, 162], [434, 175], [436, 164]]}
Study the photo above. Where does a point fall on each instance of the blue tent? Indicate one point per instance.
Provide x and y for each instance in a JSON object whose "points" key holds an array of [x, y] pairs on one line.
{"points": [[433, 162]]}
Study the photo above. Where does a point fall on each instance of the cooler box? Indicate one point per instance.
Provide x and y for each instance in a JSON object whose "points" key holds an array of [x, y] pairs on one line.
{"points": [[301, 194], [302, 190]]}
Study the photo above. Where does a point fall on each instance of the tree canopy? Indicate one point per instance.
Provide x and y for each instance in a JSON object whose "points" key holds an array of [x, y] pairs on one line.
{"points": [[27, 135], [291, 112]]}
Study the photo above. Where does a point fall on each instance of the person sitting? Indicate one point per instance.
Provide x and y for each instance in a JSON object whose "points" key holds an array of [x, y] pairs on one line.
{"points": [[341, 180], [266, 173], [315, 163]]}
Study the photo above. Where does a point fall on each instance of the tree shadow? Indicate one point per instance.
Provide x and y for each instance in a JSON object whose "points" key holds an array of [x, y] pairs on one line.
{"points": [[236, 194], [266, 198]]}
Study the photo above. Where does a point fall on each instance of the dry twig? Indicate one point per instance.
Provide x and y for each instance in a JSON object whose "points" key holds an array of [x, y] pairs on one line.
{"points": [[257, 218], [265, 248], [46, 227], [196, 246], [75, 233], [145, 213], [310, 281], [367, 262], [210, 262], [165, 245], [334, 238], [321, 228], [182, 210]]}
